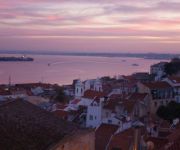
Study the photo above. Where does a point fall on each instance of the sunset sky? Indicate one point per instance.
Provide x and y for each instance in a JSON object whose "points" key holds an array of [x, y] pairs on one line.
{"points": [[90, 25]]}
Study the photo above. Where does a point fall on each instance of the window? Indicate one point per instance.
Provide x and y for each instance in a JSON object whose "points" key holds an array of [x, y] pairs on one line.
{"points": [[90, 117]]}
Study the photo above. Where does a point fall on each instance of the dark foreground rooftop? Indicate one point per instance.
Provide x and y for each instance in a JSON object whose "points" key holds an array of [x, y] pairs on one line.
{"points": [[24, 126]]}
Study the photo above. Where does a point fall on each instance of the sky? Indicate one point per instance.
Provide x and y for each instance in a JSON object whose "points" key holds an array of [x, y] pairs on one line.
{"points": [[90, 25]]}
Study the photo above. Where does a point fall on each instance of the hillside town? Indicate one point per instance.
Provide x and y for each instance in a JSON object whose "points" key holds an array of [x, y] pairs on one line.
{"points": [[126, 112]]}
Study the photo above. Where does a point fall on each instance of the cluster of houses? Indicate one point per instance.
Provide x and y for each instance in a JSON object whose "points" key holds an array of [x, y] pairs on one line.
{"points": [[121, 111], [128, 100], [119, 103]]}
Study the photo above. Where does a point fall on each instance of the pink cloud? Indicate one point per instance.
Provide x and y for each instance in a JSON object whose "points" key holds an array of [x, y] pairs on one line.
{"points": [[99, 21]]}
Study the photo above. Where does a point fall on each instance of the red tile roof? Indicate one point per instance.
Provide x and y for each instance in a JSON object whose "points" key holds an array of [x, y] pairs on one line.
{"points": [[130, 101], [173, 141], [114, 96], [138, 96], [174, 79], [92, 94], [111, 104], [24, 126], [175, 145], [121, 140], [157, 85], [175, 135], [61, 113], [103, 135], [129, 105], [158, 142]]}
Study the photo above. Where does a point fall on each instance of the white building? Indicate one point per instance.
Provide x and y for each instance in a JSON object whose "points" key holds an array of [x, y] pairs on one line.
{"points": [[98, 85], [175, 83], [79, 89], [94, 113]]}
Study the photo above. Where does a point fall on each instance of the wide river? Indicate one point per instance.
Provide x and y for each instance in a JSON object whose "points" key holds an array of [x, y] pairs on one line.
{"points": [[63, 69]]}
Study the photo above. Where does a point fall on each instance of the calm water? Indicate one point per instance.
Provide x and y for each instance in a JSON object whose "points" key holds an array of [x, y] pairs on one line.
{"points": [[63, 69]]}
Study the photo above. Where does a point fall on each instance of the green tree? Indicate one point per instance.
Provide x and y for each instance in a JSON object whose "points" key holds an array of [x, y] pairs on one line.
{"points": [[173, 67], [60, 95], [162, 112], [169, 112]]}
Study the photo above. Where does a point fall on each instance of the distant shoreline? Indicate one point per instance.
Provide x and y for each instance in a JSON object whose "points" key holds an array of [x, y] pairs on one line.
{"points": [[135, 55]]}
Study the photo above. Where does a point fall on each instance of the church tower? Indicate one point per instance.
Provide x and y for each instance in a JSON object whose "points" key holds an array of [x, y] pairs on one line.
{"points": [[79, 89], [98, 85]]}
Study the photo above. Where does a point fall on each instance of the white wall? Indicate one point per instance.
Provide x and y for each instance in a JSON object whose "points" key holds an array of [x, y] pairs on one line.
{"points": [[93, 118]]}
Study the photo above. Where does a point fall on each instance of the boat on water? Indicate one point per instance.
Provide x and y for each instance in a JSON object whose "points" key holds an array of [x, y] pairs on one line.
{"points": [[23, 58]]}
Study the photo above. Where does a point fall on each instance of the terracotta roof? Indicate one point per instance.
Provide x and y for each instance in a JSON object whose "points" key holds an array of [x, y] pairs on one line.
{"points": [[25, 126], [130, 101], [103, 135], [164, 124], [174, 79], [61, 113], [138, 96], [111, 104], [129, 105], [121, 140], [92, 94], [175, 145], [157, 85], [175, 135], [173, 141], [158, 142], [114, 96]]}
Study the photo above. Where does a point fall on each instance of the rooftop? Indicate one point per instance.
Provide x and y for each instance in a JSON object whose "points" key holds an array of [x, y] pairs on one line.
{"points": [[92, 94], [157, 85], [103, 135], [174, 79], [122, 140], [25, 126]]}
